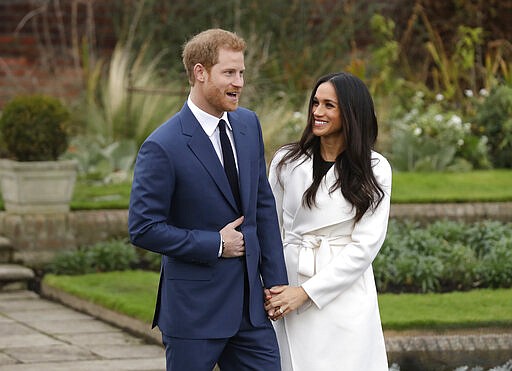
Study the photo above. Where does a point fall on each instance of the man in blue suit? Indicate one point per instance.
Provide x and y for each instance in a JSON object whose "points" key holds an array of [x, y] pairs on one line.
{"points": [[201, 198]]}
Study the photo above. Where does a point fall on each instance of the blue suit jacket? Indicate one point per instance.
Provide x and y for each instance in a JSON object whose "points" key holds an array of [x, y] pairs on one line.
{"points": [[180, 201]]}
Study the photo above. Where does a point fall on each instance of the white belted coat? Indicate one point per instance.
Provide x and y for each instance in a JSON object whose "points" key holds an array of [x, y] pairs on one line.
{"points": [[330, 256]]}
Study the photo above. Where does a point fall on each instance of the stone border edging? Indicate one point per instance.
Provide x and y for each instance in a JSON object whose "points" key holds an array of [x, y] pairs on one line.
{"points": [[413, 348], [36, 238], [467, 211], [132, 325]]}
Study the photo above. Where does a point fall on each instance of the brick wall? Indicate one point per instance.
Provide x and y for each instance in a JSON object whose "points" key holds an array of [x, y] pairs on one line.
{"points": [[40, 45]]}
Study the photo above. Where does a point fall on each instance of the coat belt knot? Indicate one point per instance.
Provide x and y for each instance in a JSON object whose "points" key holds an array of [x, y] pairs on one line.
{"points": [[316, 251]]}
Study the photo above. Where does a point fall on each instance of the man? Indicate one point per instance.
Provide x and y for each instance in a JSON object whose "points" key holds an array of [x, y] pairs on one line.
{"points": [[219, 238]]}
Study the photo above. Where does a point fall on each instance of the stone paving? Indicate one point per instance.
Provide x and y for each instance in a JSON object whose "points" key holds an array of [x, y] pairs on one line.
{"points": [[40, 335], [44, 335]]}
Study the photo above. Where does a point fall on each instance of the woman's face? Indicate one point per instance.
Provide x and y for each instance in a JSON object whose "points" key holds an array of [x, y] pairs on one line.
{"points": [[326, 112]]}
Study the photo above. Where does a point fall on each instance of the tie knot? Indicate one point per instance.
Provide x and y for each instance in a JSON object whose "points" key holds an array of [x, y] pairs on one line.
{"points": [[222, 125]]}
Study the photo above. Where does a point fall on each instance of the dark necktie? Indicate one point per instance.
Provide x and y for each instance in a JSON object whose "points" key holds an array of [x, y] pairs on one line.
{"points": [[229, 162]]}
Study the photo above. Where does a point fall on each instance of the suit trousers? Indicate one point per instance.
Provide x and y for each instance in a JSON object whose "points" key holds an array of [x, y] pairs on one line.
{"points": [[250, 349]]}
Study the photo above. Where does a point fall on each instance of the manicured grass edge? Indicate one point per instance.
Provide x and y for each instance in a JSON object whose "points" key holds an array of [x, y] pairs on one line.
{"points": [[457, 310], [132, 325]]}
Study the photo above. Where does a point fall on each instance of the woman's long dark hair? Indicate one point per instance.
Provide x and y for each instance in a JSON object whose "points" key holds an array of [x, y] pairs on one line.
{"points": [[355, 177]]}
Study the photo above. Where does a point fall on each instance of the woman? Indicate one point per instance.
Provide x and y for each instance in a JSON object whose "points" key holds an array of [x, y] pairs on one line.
{"points": [[333, 196]]}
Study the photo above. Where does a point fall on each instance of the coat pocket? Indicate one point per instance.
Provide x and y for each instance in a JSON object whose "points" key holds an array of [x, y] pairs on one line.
{"points": [[177, 270]]}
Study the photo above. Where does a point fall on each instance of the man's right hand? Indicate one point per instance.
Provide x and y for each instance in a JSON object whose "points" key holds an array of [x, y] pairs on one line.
{"points": [[234, 245]]}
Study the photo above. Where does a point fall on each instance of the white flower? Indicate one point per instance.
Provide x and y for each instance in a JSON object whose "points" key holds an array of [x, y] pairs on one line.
{"points": [[438, 117], [297, 115], [420, 94], [483, 92], [439, 97], [468, 93], [455, 121], [460, 142], [417, 131]]}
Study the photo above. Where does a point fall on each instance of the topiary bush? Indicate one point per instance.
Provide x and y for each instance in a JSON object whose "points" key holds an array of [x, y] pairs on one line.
{"points": [[35, 128]]}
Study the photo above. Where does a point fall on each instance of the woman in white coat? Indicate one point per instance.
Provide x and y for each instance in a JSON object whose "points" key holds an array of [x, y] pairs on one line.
{"points": [[333, 196]]}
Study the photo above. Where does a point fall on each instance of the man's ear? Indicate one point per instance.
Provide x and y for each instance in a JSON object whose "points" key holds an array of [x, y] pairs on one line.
{"points": [[199, 72]]}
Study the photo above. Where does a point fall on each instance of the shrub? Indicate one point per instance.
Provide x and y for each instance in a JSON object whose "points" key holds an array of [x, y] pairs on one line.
{"points": [[439, 257], [444, 256], [114, 255], [460, 264], [35, 128], [483, 236], [70, 263], [106, 256], [411, 259], [494, 120], [149, 260], [496, 266], [432, 137]]}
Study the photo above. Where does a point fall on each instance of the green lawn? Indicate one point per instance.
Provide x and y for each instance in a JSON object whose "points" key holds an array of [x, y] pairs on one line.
{"points": [[488, 185], [134, 292], [97, 196], [129, 292], [476, 308], [474, 186]]}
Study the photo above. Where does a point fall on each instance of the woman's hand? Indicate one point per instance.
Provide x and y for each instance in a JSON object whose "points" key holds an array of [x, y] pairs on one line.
{"points": [[281, 300]]}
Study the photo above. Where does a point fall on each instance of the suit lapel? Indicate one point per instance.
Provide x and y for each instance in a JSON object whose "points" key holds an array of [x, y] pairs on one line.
{"points": [[202, 148]]}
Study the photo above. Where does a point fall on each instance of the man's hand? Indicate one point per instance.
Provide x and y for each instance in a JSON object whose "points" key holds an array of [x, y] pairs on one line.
{"points": [[272, 312], [234, 245]]}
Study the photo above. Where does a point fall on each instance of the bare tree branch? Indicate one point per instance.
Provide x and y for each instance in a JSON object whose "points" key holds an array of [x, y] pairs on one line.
{"points": [[29, 16]]}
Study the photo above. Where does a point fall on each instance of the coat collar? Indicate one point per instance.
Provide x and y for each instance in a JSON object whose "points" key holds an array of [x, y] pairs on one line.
{"points": [[331, 208]]}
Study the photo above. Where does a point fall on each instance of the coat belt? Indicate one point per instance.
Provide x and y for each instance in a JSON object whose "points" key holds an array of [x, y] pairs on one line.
{"points": [[315, 251]]}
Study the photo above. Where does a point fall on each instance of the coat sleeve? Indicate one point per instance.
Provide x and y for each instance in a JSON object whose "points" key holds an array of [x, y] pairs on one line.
{"points": [[150, 202], [356, 257], [272, 264]]}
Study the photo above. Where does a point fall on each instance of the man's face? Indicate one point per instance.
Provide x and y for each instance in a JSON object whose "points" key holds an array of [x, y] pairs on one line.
{"points": [[223, 83]]}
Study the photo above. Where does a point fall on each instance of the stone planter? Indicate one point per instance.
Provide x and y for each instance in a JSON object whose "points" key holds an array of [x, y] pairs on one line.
{"points": [[37, 186]]}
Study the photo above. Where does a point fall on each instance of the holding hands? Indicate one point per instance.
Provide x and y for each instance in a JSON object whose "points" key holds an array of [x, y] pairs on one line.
{"points": [[281, 300]]}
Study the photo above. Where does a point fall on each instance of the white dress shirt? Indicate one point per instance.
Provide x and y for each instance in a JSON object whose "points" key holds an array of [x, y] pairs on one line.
{"points": [[210, 125]]}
